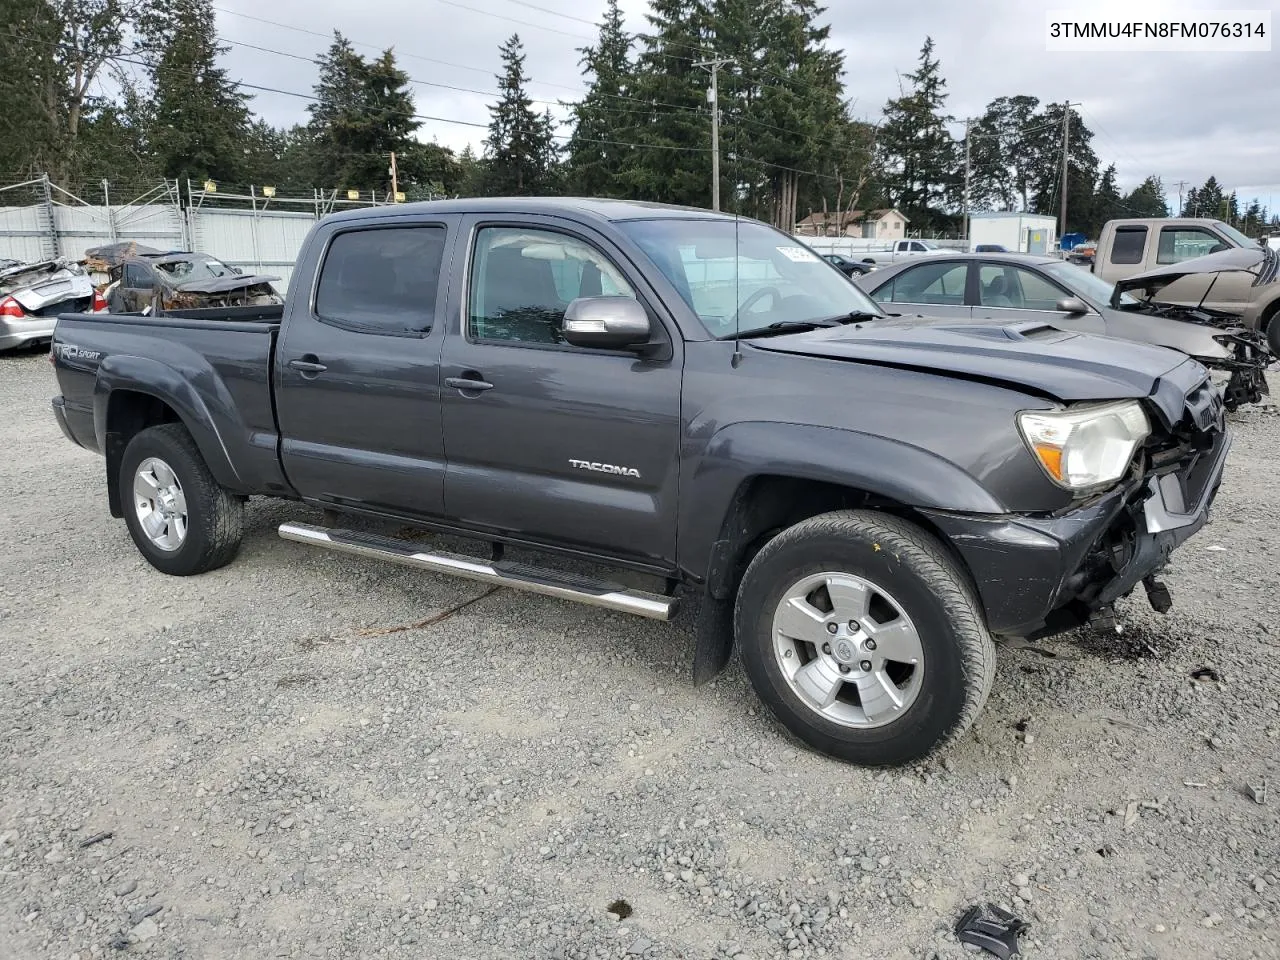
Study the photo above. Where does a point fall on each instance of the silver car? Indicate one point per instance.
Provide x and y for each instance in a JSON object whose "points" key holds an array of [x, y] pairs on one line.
{"points": [[33, 294], [997, 287]]}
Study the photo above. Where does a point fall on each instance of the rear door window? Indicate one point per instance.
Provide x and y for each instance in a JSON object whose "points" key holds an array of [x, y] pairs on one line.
{"points": [[1128, 244], [382, 280], [939, 283], [136, 276]]}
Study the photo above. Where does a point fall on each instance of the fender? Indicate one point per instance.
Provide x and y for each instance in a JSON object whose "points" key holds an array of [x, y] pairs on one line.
{"points": [[172, 387], [872, 464]]}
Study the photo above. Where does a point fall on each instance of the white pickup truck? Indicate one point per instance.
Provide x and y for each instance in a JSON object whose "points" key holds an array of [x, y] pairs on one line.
{"points": [[902, 249], [873, 253]]}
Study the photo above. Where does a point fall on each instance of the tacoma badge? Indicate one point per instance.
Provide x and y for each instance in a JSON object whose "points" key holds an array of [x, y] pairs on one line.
{"points": [[605, 468]]}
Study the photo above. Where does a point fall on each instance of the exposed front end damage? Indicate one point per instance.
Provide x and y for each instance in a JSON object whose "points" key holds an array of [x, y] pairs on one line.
{"points": [[1041, 574], [1232, 292]]}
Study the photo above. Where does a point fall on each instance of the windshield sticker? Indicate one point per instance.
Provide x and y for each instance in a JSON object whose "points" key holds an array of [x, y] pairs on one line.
{"points": [[798, 254]]}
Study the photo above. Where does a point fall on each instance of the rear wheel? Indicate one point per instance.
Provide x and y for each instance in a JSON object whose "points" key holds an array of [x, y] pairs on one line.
{"points": [[180, 519], [863, 636], [1271, 324]]}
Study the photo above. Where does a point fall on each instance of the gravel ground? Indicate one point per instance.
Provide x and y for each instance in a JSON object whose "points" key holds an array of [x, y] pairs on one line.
{"points": [[288, 757]]}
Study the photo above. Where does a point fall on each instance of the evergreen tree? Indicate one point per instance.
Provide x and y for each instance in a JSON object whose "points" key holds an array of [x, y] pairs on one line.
{"points": [[33, 82], [1254, 219], [1205, 201], [918, 154], [364, 113], [672, 121], [1107, 203], [520, 151], [603, 118], [1044, 145], [200, 120], [1147, 200], [1000, 170]]}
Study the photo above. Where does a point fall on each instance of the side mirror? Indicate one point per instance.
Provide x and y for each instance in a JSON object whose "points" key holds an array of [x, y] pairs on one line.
{"points": [[609, 322], [1072, 305]]}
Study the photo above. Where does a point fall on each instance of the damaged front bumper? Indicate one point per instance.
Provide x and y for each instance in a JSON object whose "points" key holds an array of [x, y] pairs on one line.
{"points": [[1038, 575]]}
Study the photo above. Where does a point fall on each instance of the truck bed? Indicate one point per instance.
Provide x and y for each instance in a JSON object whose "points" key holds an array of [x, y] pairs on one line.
{"points": [[214, 368]]}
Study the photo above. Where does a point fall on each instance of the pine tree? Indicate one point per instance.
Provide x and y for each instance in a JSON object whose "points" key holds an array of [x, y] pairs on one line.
{"points": [[1107, 203], [672, 163], [1147, 200], [1206, 201], [916, 148], [603, 119], [364, 113], [1254, 219], [520, 151], [1043, 143], [200, 120], [32, 88], [999, 156]]}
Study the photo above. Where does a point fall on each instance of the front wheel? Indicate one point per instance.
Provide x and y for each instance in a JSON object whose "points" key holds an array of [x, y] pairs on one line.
{"points": [[862, 635], [180, 518]]}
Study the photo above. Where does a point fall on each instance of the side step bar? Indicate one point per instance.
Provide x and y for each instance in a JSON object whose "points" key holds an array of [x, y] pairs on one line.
{"points": [[503, 573]]}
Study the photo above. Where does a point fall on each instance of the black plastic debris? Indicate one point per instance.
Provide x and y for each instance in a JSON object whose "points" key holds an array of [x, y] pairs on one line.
{"points": [[992, 929], [1205, 674]]}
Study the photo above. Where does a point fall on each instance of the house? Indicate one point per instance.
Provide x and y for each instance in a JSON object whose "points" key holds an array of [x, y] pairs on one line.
{"points": [[883, 224]]}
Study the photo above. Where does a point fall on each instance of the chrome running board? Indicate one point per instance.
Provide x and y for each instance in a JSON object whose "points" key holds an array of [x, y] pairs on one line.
{"points": [[503, 573]]}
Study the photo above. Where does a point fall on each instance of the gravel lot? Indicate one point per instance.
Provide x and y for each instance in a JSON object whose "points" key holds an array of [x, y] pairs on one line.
{"points": [[288, 757]]}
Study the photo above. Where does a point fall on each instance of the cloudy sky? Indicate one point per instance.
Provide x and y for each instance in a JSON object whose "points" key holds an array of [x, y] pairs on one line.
{"points": [[1180, 115]]}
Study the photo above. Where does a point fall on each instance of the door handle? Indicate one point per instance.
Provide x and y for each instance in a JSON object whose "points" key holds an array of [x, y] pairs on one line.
{"points": [[468, 383], [312, 365]]}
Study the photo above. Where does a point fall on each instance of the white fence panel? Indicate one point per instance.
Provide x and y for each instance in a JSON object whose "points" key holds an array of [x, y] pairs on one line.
{"points": [[262, 242], [25, 234]]}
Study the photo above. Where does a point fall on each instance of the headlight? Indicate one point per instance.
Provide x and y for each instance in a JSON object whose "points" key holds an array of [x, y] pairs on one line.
{"points": [[1088, 447]]}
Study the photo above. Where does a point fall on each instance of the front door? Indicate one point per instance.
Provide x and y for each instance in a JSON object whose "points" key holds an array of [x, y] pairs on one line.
{"points": [[358, 371], [556, 443], [1007, 293]]}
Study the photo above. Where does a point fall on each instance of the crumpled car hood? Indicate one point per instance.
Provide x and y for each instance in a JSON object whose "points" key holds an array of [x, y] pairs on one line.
{"points": [[225, 284], [1029, 354], [1262, 264]]}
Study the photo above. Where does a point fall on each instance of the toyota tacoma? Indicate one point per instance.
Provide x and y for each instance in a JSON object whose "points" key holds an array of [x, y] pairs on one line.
{"points": [[858, 504]]}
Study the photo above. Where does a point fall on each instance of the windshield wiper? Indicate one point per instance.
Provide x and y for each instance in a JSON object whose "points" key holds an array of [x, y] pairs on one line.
{"points": [[787, 326], [852, 316]]}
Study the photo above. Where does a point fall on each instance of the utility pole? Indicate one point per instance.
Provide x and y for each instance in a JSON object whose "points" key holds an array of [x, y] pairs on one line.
{"points": [[1066, 165], [968, 123], [395, 184], [1180, 185], [713, 97]]}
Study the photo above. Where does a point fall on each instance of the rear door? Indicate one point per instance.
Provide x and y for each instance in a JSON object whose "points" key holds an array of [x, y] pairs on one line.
{"points": [[1126, 256], [934, 287], [358, 368], [136, 290], [557, 443]]}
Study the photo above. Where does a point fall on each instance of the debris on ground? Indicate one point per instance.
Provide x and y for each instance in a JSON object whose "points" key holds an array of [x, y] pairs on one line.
{"points": [[993, 929], [1258, 791]]}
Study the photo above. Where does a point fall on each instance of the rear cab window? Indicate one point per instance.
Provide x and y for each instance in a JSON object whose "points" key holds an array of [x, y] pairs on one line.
{"points": [[382, 280], [1128, 244]]}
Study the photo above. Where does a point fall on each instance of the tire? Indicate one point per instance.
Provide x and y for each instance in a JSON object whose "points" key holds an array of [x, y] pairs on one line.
{"points": [[210, 534], [1272, 328], [910, 585]]}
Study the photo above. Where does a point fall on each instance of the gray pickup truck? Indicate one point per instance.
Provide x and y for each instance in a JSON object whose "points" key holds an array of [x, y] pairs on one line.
{"points": [[859, 503]]}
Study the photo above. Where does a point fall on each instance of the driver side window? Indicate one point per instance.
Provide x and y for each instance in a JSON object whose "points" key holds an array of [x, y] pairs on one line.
{"points": [[523, 280]]}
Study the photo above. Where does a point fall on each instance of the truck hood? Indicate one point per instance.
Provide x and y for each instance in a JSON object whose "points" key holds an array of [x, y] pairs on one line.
{"points": [[1027, 355]]}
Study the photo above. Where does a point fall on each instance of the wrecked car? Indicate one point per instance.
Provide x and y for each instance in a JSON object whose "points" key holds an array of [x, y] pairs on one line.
{"points": [[1003, 287], [1235, 291], [33, 294], [146, 281]]}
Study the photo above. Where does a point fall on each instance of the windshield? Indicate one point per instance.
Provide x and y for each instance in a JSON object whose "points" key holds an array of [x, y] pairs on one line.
{"points": [[1234, 235], [928, 244], [1085, 284], [196, 268], [772, 279]]}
